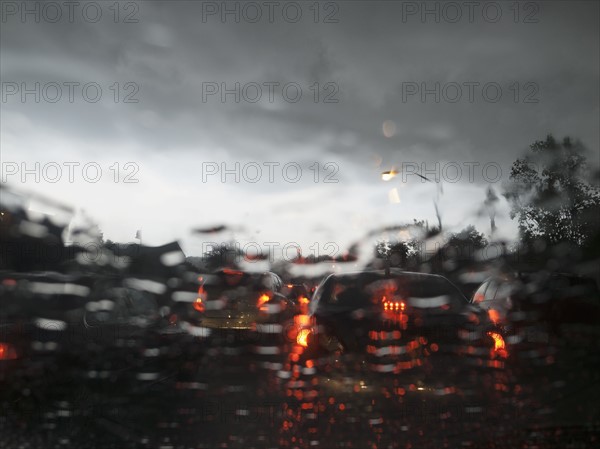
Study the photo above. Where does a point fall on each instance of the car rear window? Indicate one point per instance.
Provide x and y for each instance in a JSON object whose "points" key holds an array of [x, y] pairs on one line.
{"points": [[366, 289]]}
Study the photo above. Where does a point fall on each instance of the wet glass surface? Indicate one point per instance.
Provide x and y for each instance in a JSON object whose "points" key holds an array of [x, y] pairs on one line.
{"points": [[311, 224], [159, 354]]}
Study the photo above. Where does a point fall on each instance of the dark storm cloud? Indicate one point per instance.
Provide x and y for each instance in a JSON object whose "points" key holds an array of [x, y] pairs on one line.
{"points": [[370, 54]]}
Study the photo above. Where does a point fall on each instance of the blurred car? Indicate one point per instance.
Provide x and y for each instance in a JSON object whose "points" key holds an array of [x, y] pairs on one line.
{"points": [[232, 300], [37, 313], [56, 325], [400, 320], [543, 299]]}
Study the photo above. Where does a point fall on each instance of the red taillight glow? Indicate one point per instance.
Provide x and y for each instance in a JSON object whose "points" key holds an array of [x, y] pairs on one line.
{"points": [[393, 306], [302, 321], [262, 300], [199, 305], [498, 340], [499, 344], [302, 338], [7, 352], [199, 302], [494, 316]]}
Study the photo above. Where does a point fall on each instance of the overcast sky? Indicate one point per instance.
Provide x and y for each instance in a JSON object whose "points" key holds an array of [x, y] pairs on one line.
{"points": [[167, 118]]}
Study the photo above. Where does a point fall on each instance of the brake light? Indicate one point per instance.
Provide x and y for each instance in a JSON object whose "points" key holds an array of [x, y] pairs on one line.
{"points": [[262, 300], [7, 352], [302, 338], [302, 321], [499, 344], [393, 306], [199, 305], [498, 340], [494, 316], [199, 302]]}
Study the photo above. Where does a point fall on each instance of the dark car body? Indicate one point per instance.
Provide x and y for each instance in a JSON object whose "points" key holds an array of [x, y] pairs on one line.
{"points": [[231, 299], [39, 312], [407, 317], [544, 299], [63, 326]]}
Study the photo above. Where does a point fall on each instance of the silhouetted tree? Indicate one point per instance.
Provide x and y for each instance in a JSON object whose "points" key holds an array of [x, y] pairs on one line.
{"points": [[223, 256], [550, 196], [468, 236]]}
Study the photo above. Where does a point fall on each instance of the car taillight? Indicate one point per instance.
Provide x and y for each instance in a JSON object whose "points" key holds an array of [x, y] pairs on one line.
{"points": [[262, 300], [302, 338], [494, 316], [394, 306], [499, 344], [199, 305], [202, 296], [7, 352], [395, 311]]}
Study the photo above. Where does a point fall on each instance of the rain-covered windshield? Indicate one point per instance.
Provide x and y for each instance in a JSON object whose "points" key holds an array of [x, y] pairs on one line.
{"points": [[304, 224]]}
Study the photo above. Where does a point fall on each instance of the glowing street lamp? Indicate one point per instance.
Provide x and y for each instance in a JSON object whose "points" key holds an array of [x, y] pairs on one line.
{"points": [[388, 175]]}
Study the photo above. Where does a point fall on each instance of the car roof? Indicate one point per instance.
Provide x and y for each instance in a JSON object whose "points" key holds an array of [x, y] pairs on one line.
{"points": [[393, 272]]}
